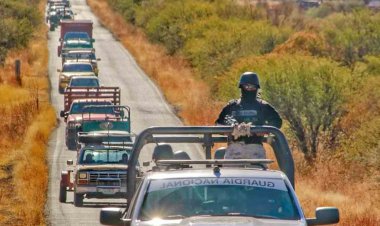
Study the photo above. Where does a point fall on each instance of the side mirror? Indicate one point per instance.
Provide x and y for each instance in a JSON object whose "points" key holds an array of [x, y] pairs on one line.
{"points": [[112, 216], [324, 215], [92, 40], [60, 39], [146, 163], [62, 114], [70, 162]]}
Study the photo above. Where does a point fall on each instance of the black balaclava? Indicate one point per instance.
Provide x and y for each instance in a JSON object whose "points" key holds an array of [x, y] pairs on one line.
{"points": [[248, 96]]}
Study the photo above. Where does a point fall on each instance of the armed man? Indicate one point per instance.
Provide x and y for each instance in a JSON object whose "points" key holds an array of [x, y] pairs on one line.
{"points": [[244, 112]]}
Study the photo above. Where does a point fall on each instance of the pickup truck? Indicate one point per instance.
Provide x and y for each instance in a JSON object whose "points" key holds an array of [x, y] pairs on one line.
{"points": [[70, 69], [100, 172], [75, 101], [211, 191], [80, 34], [81, 55]]}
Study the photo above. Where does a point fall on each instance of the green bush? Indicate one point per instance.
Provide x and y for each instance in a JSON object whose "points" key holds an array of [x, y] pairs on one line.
{"points": [[373, 65], [211, 35], [166, 22], [352, 36], [18, 18], [220, 42], [125, 7], [362, 130]]}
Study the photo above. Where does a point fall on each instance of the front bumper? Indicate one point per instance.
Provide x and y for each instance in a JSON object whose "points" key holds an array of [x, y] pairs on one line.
{"points": [[101, 191]]}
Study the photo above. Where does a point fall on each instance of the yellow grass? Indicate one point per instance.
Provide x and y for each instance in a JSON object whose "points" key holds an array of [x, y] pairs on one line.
{"points": [[327, 183], [27, 119]]}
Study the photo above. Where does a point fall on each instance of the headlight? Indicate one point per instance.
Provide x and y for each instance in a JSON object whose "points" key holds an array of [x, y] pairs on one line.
{"points": [[82, 175], [73, 124], [64, 77]]}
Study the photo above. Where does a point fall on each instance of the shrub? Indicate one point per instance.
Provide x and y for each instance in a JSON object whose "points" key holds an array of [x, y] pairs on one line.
{"points": [[352, 36], [125, 7], [222, 42], [18, 18]]}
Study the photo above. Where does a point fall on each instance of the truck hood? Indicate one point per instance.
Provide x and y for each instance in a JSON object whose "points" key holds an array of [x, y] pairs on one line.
{"points": [[103, 167], [77, 43], [224, 220], [81, 73], [78, 117], [82, 60]]}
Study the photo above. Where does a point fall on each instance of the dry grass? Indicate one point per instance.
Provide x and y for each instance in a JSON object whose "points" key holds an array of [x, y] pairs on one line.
{"points": [[189, 96], [27, 118], [328, 183]]}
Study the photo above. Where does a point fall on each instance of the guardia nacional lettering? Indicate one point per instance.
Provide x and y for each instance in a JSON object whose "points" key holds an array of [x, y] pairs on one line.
{"points": [[217, 181]]}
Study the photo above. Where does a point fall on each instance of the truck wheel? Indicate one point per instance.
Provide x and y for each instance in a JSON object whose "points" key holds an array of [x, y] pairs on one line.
{"points": [[78, 200], [62, 194]]}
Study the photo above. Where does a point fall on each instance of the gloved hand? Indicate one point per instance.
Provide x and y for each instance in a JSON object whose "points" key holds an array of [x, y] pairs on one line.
{"points": [[242, 129]]}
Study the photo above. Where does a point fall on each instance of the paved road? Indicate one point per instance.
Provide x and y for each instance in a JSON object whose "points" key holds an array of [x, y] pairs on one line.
{"points": [[148, 107]]}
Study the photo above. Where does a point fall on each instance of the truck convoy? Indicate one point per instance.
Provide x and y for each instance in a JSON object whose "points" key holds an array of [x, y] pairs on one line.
{"points": [[56, 11]]}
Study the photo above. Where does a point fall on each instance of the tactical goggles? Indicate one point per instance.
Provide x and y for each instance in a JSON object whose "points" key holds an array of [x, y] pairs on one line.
{"points": [[249, 87]]}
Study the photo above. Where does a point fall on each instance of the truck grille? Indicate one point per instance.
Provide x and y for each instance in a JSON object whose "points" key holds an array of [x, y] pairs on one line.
{"points": [[111, 178], [112, 182]]}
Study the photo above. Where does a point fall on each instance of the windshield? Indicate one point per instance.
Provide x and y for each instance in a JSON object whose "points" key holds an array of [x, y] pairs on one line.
{"points": [[77, 44], [254, 197], [76, 35], [104, 156], [75, 56], [78, 108], [77, 68], [84, 82]]}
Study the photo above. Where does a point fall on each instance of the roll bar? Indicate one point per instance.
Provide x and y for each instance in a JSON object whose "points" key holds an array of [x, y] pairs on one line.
{"points": [[207, 136]]}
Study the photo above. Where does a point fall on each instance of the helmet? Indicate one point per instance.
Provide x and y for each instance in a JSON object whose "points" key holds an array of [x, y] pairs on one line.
{"points": [[181, 155], [249, 78], [162, 151]]}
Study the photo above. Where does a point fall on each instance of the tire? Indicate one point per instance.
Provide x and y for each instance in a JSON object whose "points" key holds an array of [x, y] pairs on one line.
{"points": [[71, 144], [78, 200], [62, 194]]}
